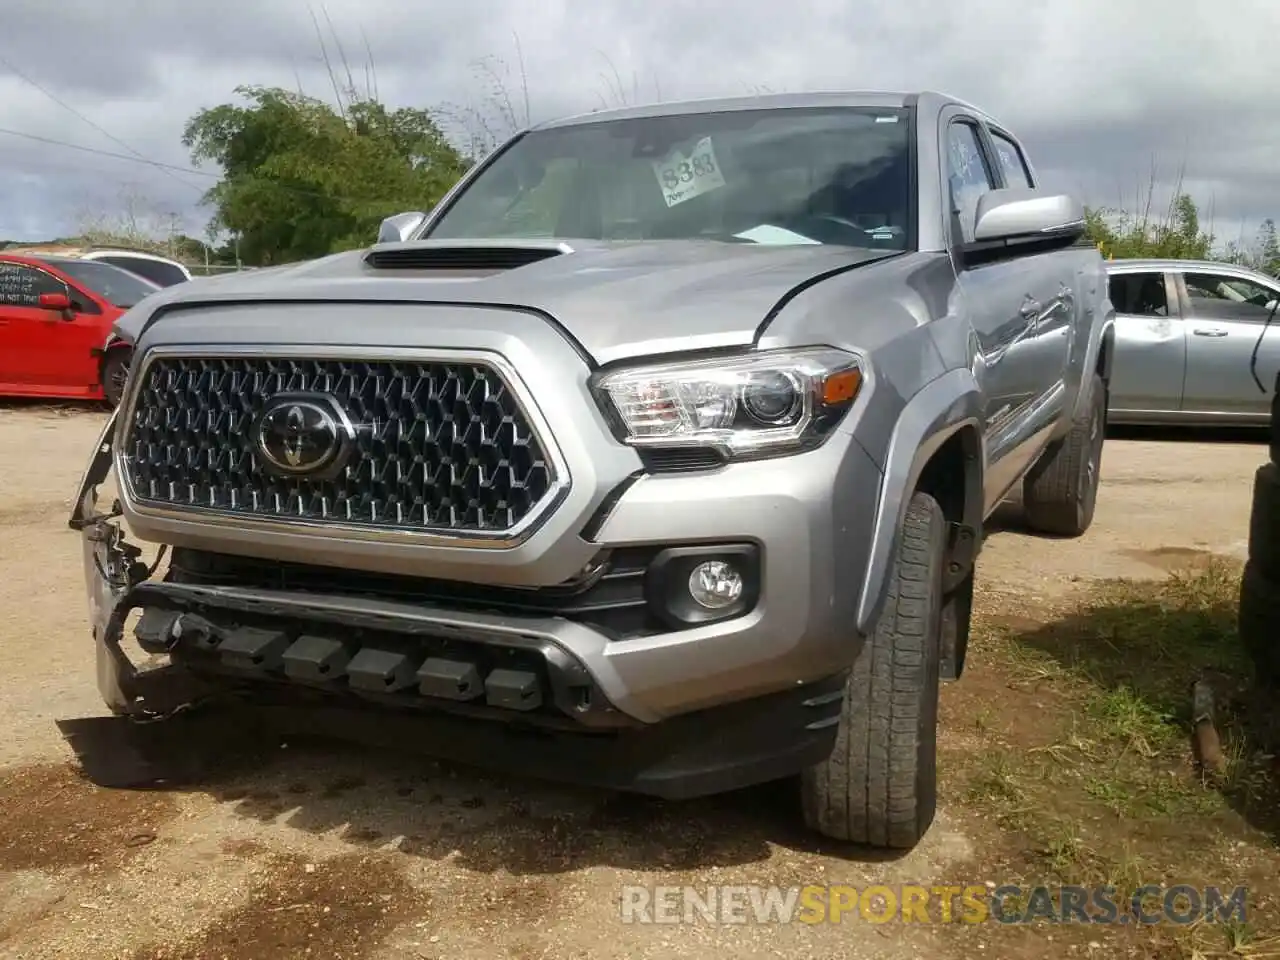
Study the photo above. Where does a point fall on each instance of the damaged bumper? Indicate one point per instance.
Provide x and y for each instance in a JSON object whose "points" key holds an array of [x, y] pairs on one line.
{"points": [[511, 693], [112, 567]]}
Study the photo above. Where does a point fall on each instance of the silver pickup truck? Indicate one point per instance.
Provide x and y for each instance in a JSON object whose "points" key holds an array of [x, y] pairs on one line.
{"points": [[656, 457]]}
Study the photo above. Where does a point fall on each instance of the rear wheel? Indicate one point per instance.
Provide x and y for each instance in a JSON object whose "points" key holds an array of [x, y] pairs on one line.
{"points": [[879, 785], [1061, 490], [1274, 431], [115, 374], [1259, 624], [1264, 522]]}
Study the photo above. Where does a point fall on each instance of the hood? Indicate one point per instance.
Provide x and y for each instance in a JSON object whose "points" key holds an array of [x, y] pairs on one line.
{"points": [[617, 300]]}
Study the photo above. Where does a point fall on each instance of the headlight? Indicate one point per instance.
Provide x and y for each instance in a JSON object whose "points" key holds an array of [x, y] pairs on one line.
{"points": [[756, 405]]}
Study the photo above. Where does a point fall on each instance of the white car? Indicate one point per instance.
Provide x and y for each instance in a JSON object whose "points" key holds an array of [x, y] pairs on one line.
{"points": [[150, 266], [1196, 343]]}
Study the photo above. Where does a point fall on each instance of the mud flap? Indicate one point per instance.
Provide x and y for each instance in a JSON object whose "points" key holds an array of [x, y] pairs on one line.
{"points": [[957, 611]]}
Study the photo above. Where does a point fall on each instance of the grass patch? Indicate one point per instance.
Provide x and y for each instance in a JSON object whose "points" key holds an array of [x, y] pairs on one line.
{"points": [[1121, 667], [1086, 759]]}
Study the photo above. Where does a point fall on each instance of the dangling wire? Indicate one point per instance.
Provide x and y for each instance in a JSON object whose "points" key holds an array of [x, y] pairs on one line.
{"points": [[1253, 360]]}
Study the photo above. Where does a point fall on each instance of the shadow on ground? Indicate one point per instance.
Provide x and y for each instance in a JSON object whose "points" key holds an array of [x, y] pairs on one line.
{"points": [[1251, 436], [429, 809], [1141, 645]]}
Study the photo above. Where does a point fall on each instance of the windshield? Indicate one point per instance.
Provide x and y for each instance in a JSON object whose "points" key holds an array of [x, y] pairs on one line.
{"points": [[118, 287], [835, 176]]}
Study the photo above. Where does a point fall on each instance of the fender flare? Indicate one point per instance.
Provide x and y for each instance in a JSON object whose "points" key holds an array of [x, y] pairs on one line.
{"points": [[937, 412], [1100, 332]]}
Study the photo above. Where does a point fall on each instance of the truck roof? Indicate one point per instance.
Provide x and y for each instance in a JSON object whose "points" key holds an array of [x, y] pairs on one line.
{"points": [[929, 99]]}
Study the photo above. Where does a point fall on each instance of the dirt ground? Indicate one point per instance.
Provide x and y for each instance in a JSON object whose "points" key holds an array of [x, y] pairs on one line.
{"points": [[345, 853]]}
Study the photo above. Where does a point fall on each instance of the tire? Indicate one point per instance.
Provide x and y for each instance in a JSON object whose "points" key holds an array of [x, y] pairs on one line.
{"points": [[1060, 491], [1264, 522], [879, 785], [115, 373], [1259, 624], [1273, 431]]}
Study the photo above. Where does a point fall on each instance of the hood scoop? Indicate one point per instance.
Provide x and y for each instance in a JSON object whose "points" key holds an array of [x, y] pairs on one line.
{"points": [[484, 256]]}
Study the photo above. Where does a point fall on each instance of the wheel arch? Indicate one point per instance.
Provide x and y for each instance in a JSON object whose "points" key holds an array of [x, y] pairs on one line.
{"points": [[936, 446], [114, 347]]}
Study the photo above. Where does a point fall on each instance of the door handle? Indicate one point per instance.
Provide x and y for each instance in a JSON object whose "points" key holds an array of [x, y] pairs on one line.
{"points": [[1209, 332]]}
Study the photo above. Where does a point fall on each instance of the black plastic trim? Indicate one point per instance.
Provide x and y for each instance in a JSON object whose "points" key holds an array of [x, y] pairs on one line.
{"points": [[667, 588], [576, 699], [680, 459], [496, 259], [698, 754], [608, 596], [597, 521]]}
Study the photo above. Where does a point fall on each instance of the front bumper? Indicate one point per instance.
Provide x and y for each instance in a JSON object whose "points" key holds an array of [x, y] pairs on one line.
{"points": [[678, 713], [699, 753], [807, 517]]}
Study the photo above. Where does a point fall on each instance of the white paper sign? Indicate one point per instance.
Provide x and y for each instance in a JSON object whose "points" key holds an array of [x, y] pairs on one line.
{"points": [[683, 176], [768, 234]]}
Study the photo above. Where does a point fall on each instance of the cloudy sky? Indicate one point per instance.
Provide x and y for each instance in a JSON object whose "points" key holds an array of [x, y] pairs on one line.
{"points": [[1100, 90]]}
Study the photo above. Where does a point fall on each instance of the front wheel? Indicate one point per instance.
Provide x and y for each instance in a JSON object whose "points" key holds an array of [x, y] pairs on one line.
{"points": [[879, 785], [115, 374]]}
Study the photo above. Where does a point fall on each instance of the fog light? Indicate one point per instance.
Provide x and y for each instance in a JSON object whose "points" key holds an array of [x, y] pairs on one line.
{"points": [[715, 584]]}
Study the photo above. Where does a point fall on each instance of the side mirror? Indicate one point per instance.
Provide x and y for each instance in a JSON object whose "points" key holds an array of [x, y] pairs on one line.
{"points": [[1271, 305], [1023, 214], [400, 227], [55, 301]]}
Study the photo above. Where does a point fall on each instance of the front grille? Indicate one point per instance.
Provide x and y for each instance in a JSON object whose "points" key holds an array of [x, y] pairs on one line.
{"points": [[438, 445]]}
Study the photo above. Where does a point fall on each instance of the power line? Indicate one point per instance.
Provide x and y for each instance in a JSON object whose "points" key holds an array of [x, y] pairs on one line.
{"points": [[107, 153], [67, 145], [9, 65]]}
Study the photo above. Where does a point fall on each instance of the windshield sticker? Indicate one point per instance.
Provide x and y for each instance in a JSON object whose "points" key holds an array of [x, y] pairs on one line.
{"points": [[685, 175]]}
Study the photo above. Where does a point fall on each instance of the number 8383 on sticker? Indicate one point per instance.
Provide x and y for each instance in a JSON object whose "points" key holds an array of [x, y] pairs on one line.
{"points": [[683, 175]]}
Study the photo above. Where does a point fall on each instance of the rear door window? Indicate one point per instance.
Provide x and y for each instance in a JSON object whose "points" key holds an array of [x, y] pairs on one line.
{"points": [[1224, 297], [1011, 162], [165, 274], [1140, 294]]}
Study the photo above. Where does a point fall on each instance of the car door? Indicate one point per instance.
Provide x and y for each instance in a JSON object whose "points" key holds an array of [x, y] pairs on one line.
{"points": [[28, 330], [55, 347], [72, 359], [1051, 279], [1226, 312], [1006, 300], [1150, 361]]}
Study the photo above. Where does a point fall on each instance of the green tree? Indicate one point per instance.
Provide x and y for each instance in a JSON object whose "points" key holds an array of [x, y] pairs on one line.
{"points": [[1121, 235], [301, 179], [1262, 254], [1267, 248]]}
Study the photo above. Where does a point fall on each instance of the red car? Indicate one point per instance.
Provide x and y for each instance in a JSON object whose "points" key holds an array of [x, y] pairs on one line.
{"points": [[56, 315]]}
